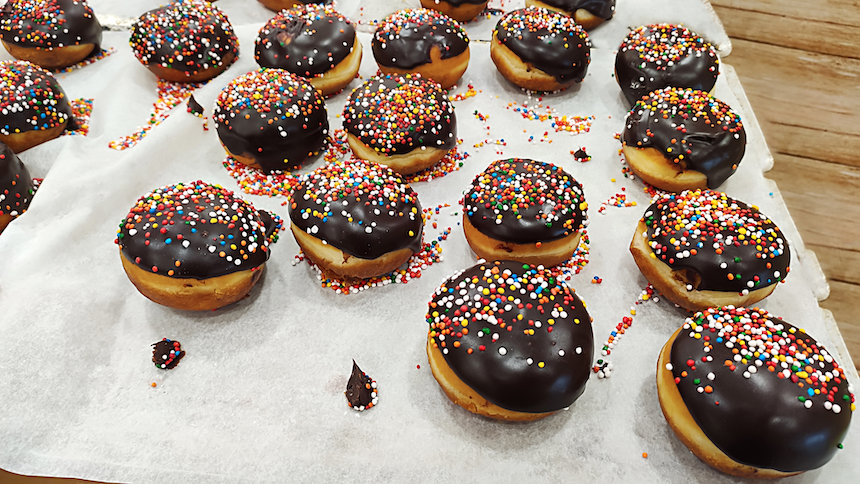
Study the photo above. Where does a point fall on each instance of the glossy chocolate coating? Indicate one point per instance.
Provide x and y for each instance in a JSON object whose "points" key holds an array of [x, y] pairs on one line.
{"points": [[360, 207], [307, 41], [547, 40], [50, 24], [539, 363], [359, 388], [405, 38], [193, 231], [272, 116], [398, 114], [662, 55], [599, 8], [761, 419], [525, 194], [731, 233], [166, 354], [692, 129], [16, 185], [35, 94]]}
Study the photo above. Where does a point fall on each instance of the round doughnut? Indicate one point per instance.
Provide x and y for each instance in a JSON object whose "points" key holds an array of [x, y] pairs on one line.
{"points": [[404, 122], [751, 395], [271, 120], [311, 41], [50, 33], [509, 341], [278, 5], [422, 41], [652, 57], [704, 249], [193, 246], [679, 139], [185, 41], [33, 107], [524, 210], [16, 187], [356, 219], [588, 13], [540, 50], [459, 10]]}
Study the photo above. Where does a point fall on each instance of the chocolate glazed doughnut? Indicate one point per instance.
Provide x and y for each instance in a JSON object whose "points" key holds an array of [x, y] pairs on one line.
{"points": [[703, 248], [588, 13], [50, 33], [664, 55], [509, 341], [752, 395], [16, 187], [459, 10], [278, 5], [679, 139]]}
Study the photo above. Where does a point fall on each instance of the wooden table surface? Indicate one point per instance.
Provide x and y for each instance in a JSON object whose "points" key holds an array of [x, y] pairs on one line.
{"points": [[800, 66]]}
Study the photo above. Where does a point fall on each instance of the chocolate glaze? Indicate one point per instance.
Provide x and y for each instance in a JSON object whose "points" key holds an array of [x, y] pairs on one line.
{"points": [[525, 194], [599, 8], [761, 419], [307, 41], [359, 207], [458, 3], [399, 114], [549, 41], [360, 389], [194, 107], [405, 38], [656, 56], [202, 231], [759, 259], [187, 35], [691, 128], [166, 354], [16, 185], [59, 23], [35, 94], [273, 116], [494, 354]]}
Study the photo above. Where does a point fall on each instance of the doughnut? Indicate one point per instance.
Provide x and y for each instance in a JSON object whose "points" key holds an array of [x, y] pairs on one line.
{"points": [[312, 41], [186, 41], [588, 13], [50, 33], [33, 107], [271, 120], [652, 57], [751, 395], [16, 187], [404, 122], [679, 139], [509, 341], [193, 246], [524, 210], [459, 10], [356, 219], [278, 5], [540, 50], [704, 249], [422, 41]]}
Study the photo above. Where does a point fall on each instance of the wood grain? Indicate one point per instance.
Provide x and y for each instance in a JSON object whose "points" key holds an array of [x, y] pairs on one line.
{"points": [[838, 12]]}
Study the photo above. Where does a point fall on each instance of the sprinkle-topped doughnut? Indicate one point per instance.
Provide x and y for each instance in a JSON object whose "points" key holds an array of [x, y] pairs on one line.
{"points": [[271, 119], [515, 334], [51, 25], [786, 397], [692, 129], [193, 230], [278, 5], [30, 100], [588, 13], [189, 40], [16, 187], [652, 57], [548, 41]]}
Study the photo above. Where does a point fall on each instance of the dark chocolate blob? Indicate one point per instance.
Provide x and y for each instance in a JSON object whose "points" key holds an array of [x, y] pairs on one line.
{"points": [[36, 95], [743, 251], [599, 8], [549, 41], [404, 39], [307, 42], [59, 23], [691, 128], [194, 107], [539, 363], [537, 201], [760, 421], [359, 392], [359, 207], [166, 354], [658, 56], [16, 185]]}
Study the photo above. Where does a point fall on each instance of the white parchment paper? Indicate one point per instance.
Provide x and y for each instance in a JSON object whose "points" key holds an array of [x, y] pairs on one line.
{"points": [[259, 396]]}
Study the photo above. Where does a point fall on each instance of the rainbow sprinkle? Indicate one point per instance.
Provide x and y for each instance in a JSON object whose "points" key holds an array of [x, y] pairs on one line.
{"points": [[170, 95], [89, 60], [82, 109]]}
